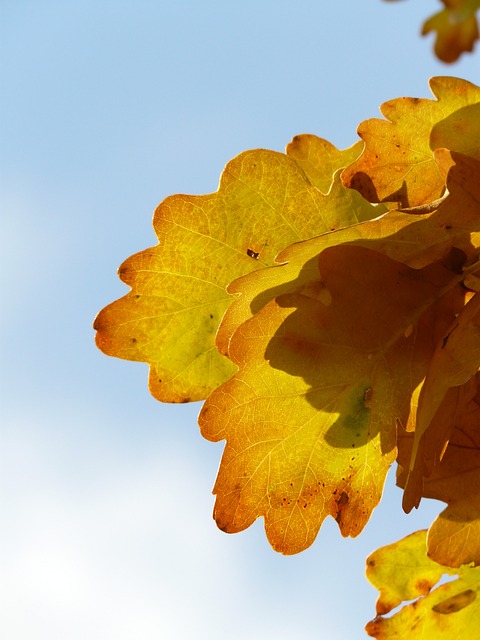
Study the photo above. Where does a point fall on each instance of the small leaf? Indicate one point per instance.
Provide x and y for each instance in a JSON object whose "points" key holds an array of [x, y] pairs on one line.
{"points": [[398, 162], [456, 28], [402, 572], [454, 535]]}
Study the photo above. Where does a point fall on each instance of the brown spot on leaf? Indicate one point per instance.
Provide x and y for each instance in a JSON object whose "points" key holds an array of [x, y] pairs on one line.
{"points": [[423, 586], [342, 502], [222, 527], [367, 398], [456, 602]]}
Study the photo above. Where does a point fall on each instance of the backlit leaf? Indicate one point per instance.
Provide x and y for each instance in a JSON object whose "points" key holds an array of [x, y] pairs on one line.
{"points": [[170, 317], [450, 474], [416, 240], [324, 373], [335, 334], [455, 360], [403, 572], [398, 161], [456, 28], [343, 208], [454, 535], [320, 159]]}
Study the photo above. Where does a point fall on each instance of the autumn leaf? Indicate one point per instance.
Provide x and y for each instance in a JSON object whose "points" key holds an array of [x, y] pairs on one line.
{"points": [[323, 374], [344, 323], [454, 534], [452, 364], [171, 315], [398, 162], [402, 572], [451, 474], [414, 239], [456, 28], [459, 213], [455, 360]]}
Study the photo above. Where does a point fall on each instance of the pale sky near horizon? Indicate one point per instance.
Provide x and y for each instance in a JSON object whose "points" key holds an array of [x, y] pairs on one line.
{"points": [[106, 108]]}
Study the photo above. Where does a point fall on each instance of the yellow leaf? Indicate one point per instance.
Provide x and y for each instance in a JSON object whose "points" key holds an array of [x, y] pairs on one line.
{"points": [[398, 162], [324, 372], [177, 299], [456, 28], [402, 572], [454, 535]]}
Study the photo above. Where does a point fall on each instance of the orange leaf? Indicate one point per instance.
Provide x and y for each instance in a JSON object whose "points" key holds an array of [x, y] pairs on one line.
{"points": [[324, 372], [455, 360], [397, 163], [456, 28], [451, 475]]}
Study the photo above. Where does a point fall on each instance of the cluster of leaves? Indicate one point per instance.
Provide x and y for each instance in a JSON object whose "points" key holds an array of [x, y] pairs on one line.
{"points": [[455, 26], [326, 304]]}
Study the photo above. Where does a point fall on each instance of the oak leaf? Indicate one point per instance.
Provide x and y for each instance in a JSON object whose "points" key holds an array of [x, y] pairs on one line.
{"points": [[456, 28], [398, 162], [450, 473], [402, 572], [346, 324], [323, 374], [170, 317], [455, 360]]}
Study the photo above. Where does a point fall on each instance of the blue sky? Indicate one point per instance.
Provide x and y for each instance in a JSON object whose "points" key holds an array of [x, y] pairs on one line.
{"points": [[107, 108]]}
